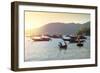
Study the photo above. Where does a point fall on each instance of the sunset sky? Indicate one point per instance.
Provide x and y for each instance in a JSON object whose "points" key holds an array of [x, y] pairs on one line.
{"points": [[37, 19]]}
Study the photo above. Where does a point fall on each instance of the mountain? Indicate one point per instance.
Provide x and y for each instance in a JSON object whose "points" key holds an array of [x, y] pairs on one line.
{"points": [[59, 28], [86, 25]]}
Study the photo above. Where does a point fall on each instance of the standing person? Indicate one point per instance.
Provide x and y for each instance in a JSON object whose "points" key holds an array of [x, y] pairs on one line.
{"points": [[79, 41], [78, 38]]}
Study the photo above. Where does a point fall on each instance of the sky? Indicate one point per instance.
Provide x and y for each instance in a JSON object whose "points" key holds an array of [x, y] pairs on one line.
{"points": [[37, 19]]}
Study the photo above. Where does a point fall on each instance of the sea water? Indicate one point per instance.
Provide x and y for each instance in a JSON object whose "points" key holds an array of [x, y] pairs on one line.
{"points": [[49, 50]]}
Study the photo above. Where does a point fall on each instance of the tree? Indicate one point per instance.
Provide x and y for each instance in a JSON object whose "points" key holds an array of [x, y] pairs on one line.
{"points": [[85, 31]]}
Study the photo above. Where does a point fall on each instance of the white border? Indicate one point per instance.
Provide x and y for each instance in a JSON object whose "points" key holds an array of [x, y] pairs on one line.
{"points": [[33, 64]]}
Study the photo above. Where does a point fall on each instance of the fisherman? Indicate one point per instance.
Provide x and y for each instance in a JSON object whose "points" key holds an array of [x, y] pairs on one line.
{"points": [[62, 44], [79, 43], [78, 38]]}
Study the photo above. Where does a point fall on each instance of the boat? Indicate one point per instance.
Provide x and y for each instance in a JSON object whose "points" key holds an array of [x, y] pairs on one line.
{"points": [[62, 46], [75, 41], [41, 38], [56, 36], [66, 38], [80, 44], [81, 37]]}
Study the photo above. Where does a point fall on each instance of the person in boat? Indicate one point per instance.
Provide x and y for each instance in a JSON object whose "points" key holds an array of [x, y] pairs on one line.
{"points": [[63, 44]]}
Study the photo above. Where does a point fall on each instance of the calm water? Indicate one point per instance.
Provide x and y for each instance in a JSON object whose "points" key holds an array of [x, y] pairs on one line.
{"points": [[49, 50]]}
